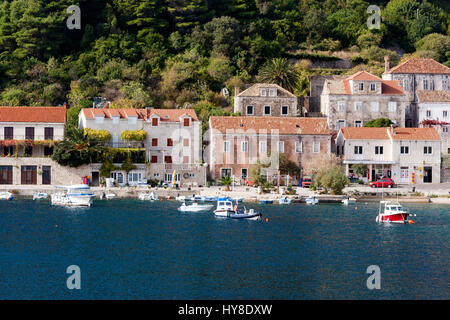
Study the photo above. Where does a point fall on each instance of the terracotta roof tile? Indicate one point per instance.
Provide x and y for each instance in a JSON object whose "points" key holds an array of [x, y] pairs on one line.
{"points": [[433, 96], [363, 76], [421, 65], [391, 87], [285, 125], [365, 133], [171, 115], [388, 87], [33, 114]]}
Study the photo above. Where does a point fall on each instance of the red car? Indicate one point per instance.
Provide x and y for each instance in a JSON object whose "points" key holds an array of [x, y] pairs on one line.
{"points": [[382, 183], [307, 182]]}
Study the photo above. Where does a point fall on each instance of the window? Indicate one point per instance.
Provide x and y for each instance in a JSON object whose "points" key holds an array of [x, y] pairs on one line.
{"points": [[154, 142], [341, 106], [358, 106], [28, 175], [375, 106], [267, 111], [358, 149], [48, 151], [263, 92], [444, 113], [379, 150], [28, 151], [6, 174], [444, 84], [427, 150], [298, 147], [249, 110], [263, 147], [169, 142], [428, 113], [244, 173], [186, 122], [154, 159], [284, 110], [226, 146], [185, 142], [9, 133], [244, 146], [272, 93], [392, 106], [373, 87], [132, 120], [445, 129], [225, 172], [167, 159], [425, 84], [29, 133], [154, 122], [135, 177], [281, 146], [316, 147], [404, 150], [431, 84], [361, 86], [48, 133], [8, 151], [358, 123]]}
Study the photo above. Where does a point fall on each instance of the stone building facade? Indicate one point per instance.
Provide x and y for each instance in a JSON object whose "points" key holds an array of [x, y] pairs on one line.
{"points": [[238, 143], [417, 74], [264, 99], [362, 97]]}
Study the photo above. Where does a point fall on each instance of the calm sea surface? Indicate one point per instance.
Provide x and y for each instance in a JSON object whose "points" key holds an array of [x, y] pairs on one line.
{"points": [[129, 249]]}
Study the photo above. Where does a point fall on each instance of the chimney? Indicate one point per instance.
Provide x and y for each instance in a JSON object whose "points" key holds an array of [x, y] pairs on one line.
{"points": [[236, 91], [387, 64]]}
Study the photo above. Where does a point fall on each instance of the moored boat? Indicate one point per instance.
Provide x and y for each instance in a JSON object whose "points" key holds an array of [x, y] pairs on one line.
{"points": [[195, 207], [266, 201], [75, 195], [393, 212], [40, 195], [6, 195], [284, 200], [226, 209], [348, 200], [184, 198], [312, 200], [148, 196]]}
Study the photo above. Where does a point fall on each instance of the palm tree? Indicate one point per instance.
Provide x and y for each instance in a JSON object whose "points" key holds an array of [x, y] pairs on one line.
{"points": [[226, 181], [281, 72]]}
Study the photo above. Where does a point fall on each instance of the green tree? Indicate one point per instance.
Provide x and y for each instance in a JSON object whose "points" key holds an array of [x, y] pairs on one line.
{"points": [[378, 123], [279, 71], [332, 179], [127, 166]]}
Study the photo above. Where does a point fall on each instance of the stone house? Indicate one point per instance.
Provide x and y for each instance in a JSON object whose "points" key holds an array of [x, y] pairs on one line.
{"points": [[27, 138], [172, 142], [406, 155], [238, 143], [263, 99], [417, 74], [362, 97]]}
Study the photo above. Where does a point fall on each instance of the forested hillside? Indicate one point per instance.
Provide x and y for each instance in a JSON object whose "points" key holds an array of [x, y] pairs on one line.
{"points": [[166, 53]]}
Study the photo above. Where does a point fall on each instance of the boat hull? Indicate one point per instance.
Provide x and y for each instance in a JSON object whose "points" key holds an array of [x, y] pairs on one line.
{"points": [[393, 218]]}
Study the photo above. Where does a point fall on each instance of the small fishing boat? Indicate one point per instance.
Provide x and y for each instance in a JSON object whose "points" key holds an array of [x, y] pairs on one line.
{"points": [[184, 198], [75, 195], [40, 195], [348, 200], [199, 198], [148, 196], [211, 199], [6, 195], [110, 196], [284, 200], [312, 200], [266, 201], [225, 209], [390, 211], [195, 207]]}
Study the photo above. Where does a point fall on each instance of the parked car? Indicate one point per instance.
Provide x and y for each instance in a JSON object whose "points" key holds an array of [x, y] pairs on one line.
{"points": [[306, 182], [382, 183]]}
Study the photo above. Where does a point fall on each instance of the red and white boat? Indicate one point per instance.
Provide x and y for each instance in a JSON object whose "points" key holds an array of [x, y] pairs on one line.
{"points": [[392, 212]]}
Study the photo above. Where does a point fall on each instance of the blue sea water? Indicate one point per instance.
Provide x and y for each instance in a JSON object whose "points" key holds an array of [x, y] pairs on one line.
{"points": [[129, 249]]}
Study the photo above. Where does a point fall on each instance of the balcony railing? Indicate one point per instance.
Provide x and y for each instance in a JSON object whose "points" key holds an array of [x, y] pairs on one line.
{"points": [[32, 138]]}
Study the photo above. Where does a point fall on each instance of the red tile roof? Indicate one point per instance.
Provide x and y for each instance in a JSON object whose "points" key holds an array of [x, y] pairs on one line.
{"points": [[420, 65], [363, 76], [33, 114], [367, 133], [388, 87], [170, 115], [433, 96], [285, 125], [391, 87]]}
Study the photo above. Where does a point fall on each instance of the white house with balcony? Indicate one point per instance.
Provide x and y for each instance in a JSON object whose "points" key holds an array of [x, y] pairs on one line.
{"points": [[406, 155], [172, 142]]}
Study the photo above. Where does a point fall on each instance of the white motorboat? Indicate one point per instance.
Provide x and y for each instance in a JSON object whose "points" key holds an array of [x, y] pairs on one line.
{"points": [[225, 209], [75, 195], [184, 198], [312, 200], [195, 207], [110, 196], [284, 200], [40, 195], [6, 195], [148, 196], [347, 201]]}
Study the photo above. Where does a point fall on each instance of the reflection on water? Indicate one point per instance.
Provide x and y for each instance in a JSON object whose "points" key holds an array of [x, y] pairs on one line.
{"points": [[129, 249]]}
